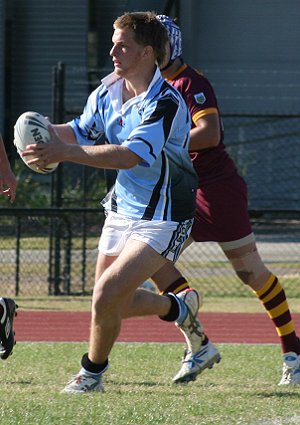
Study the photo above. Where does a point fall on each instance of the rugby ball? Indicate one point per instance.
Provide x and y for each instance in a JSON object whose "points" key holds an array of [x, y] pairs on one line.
{"points": [[31, 128]]}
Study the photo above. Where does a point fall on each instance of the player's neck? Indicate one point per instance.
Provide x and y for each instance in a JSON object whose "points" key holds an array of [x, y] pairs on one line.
{"points": [[135, 85], [172, 69]]}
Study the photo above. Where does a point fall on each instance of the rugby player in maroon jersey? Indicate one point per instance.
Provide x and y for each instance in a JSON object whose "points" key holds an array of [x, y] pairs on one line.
{"points": [[221, 214]]}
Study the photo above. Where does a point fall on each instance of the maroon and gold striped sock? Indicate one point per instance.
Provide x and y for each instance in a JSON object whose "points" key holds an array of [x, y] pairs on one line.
{"points": [[177, 286], [273, 297]]}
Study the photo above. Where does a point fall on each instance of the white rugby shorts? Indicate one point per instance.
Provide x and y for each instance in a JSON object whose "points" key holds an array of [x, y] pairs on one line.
{"points": [[165, 237]]}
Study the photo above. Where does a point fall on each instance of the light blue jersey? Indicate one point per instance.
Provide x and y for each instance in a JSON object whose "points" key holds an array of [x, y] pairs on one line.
{"points": [[154, 125]]}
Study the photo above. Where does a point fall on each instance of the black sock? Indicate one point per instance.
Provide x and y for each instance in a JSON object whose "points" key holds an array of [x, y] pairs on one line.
{"points": [[174, 310], [93, 367]]}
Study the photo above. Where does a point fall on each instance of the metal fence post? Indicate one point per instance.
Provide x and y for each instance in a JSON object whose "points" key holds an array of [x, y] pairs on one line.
{"points": [[58, 109], [18, 236]]}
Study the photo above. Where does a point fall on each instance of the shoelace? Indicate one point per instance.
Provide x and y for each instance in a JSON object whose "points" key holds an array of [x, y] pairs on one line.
{"points": [[194, 326]]}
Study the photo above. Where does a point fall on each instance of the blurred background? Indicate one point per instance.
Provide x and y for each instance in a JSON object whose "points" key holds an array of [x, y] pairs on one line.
{"points": [[53, 54]]}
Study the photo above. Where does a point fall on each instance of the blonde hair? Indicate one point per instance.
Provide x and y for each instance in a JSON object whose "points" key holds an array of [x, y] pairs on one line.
{"points": [[148, 31]]}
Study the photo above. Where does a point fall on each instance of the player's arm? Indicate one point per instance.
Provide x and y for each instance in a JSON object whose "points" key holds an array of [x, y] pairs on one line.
{"points": [[8, 182], [102, 156], [65, 132], [206, 134], [98, 156]]}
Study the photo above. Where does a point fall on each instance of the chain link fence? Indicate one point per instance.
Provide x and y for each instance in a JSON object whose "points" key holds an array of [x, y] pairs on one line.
{"points": [[49, 251], [53, 252], [49, 237]]}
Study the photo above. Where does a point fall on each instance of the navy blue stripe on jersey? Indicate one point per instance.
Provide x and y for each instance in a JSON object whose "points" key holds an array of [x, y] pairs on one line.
{"points": [[151, 152], [187, 139], [155, 126], [169, 104], [167, 200], [167, 88], [92, 133], [151, 207]]}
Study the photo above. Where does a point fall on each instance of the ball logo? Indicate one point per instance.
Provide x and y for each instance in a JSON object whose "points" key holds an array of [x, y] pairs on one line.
{"points": [[37, 137], [32, 128]]}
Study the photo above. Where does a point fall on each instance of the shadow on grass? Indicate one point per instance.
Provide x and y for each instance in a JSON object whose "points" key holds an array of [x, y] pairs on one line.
{"points": [[140, 384], [20, 382], [280, 394]]}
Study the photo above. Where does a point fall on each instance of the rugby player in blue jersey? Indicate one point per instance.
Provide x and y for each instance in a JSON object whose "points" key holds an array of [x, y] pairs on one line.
{"points": [[221, 216], [150, 209]]}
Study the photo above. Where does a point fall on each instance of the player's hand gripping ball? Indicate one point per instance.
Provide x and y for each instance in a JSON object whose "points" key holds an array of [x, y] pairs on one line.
{"points": [[31, 128]]}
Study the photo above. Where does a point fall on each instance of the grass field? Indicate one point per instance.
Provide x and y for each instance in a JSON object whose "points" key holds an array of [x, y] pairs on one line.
{"points": [[242, 389]]}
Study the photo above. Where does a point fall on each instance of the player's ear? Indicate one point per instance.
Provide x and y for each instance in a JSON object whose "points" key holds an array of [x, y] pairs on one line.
{"points": [[148, 50]]}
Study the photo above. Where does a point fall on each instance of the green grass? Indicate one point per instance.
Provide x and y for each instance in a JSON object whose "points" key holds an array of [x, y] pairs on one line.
{"points": [[242, 389], [41, 242]]}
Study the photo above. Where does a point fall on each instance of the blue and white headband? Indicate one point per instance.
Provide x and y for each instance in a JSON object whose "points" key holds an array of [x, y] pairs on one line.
{"points": [[174, 34]]}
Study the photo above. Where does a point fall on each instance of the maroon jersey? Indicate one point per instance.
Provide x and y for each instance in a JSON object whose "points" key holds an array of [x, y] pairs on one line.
{"points": [[211, 163], [222, 206]]}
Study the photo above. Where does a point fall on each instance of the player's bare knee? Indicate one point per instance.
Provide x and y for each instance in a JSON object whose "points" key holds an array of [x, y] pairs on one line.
{"points": [[249, 267], [104, 301], [99, 305]]}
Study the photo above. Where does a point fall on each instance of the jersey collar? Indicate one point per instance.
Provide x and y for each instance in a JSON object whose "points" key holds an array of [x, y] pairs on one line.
{"points": [[179, 71], [114, 85]]}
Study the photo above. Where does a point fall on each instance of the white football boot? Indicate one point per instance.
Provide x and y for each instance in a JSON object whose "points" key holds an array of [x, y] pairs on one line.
{"points": [[290, 369], [197, 357], [84, 383]]}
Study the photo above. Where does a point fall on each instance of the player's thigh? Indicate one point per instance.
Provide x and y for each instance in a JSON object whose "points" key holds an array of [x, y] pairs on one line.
{"points": [[136, 263], [103, 262]]}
